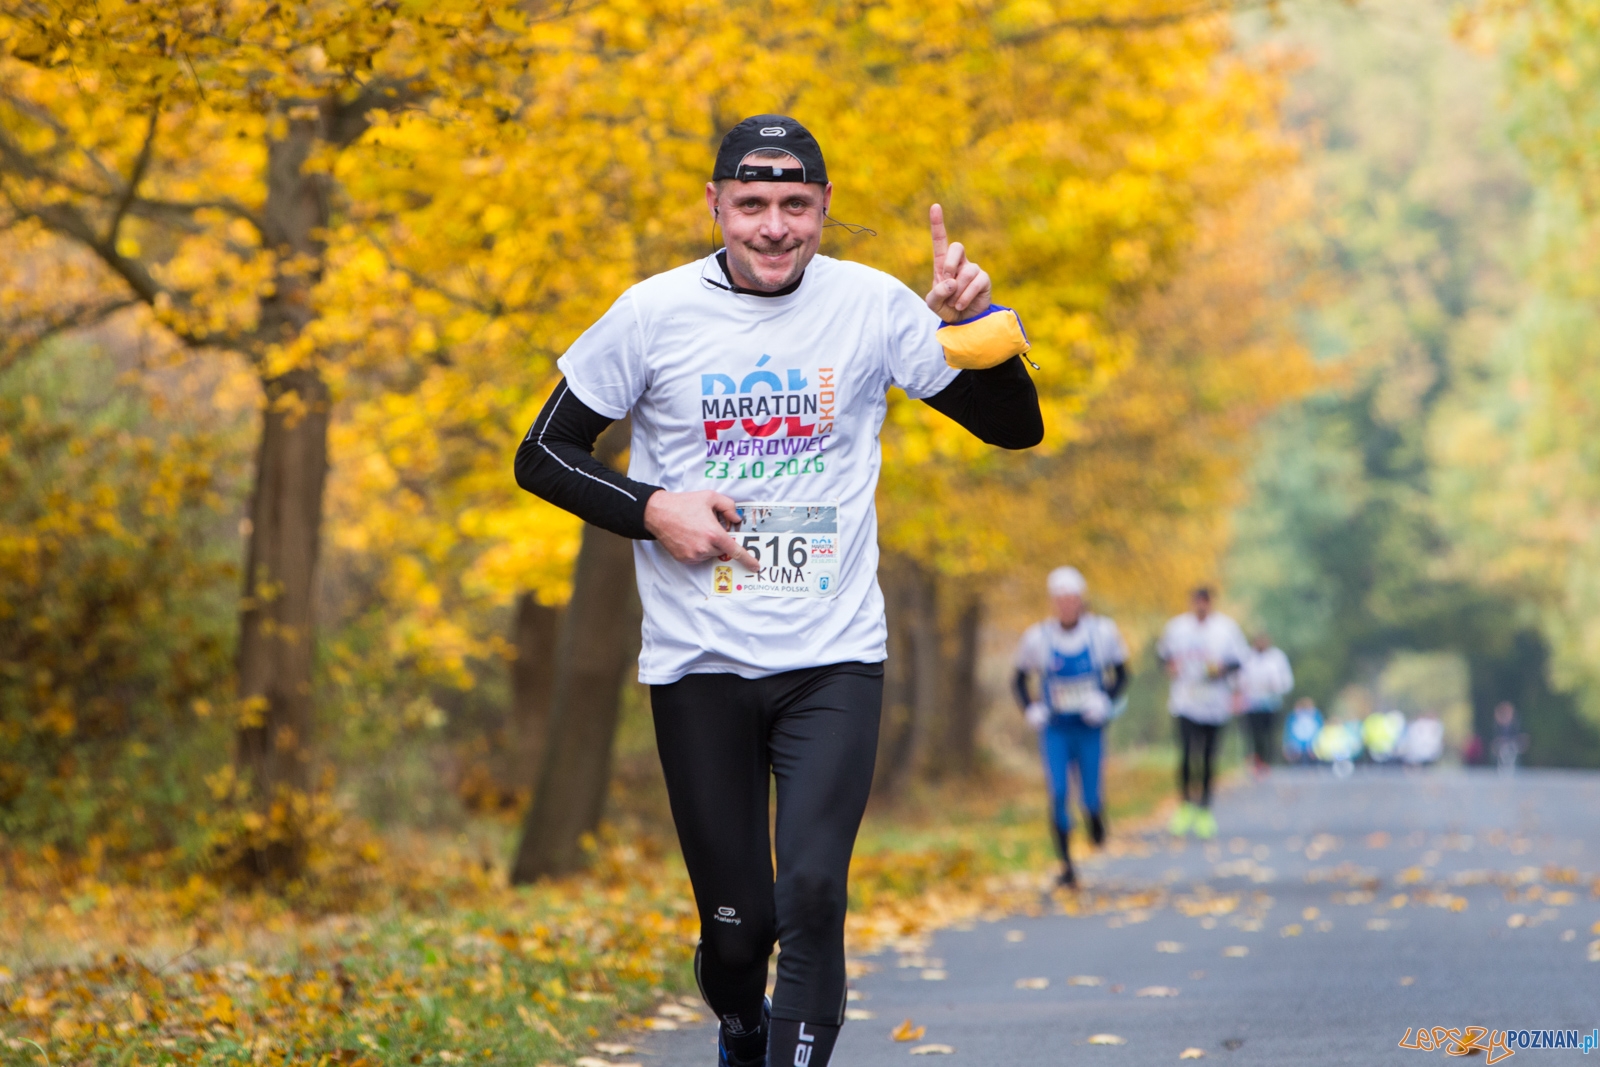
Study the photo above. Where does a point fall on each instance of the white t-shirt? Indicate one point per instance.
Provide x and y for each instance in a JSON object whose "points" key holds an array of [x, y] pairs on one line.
{"points": [[1069, 662], [1264, 678], [770, 400], [1201, 650]]}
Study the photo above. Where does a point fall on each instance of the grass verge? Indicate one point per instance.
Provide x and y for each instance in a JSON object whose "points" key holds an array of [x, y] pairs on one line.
{"points": [[443, 963]]}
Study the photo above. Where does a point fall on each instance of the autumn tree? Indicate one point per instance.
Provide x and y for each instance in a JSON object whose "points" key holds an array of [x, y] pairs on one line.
{"points": [[196, 152]]}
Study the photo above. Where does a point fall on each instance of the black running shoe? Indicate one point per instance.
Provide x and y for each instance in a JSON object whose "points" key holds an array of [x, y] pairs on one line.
{"points": [[725, 1060], [1097, 828]]}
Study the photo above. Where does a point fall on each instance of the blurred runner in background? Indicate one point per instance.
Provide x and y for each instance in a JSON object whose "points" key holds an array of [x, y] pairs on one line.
{"points": [[1381, 732], [1300, 732], [1082, 667], [1423, 741], [1264, 680], [1201, 649], [1508, 737], [1339, 744]]}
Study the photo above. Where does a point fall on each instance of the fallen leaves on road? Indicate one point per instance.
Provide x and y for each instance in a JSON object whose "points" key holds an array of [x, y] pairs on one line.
{"points": [[1157, 991], [1085, 979], [1192, 1054], [1107, 1039], [1408, 980], [908, 1031], [859, 1014], [1169, 946], [1516, 919], [1014, 936], [1235, 952], [1033, 983], [932, 1050], [1594, 952], [1377, 924], [933, 974], [612, 1048], [1292, 930], [679, 1012]]}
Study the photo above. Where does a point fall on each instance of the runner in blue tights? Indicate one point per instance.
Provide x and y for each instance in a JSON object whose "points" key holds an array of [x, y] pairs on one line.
{"points": [[1081, 664]]}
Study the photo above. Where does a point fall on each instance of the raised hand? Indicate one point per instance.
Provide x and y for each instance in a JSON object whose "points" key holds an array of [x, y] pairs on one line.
{"points": [[960, 287]]}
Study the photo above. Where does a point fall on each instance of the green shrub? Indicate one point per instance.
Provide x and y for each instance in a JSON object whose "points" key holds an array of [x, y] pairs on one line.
{"points": [[118, 589]]}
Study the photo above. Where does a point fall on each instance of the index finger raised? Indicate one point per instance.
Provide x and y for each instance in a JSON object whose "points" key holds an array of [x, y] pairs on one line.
{"points": [[941, 240]]}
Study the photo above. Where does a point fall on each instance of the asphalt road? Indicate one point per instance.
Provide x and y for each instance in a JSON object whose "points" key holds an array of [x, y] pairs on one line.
{"points": [[1327, 918]]}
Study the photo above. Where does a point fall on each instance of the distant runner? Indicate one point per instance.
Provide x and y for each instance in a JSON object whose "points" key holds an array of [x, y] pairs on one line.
{"points": [[1509, 740], [1082, 667], [1201, 650], [1264, 680], [1300, 732], [757, 379]]}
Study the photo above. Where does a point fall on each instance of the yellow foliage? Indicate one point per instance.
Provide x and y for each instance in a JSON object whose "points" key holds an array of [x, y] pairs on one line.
{"points": [[508, 171]]}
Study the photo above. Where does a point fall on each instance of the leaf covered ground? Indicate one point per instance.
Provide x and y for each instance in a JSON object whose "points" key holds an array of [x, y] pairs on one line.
{"points": [[438, 961]]}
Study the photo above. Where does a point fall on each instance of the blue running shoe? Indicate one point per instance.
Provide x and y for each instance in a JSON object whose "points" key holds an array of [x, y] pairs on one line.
{"points": [[725, 1060]]}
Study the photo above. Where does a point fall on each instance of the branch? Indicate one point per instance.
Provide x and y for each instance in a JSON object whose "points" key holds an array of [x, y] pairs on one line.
{"points": [[1134, 22], [421, 281], [140, 165], [18, 346]]}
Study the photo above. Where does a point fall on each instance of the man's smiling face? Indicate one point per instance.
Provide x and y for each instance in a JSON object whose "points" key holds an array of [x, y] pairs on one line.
{"points": [[772, 229]]}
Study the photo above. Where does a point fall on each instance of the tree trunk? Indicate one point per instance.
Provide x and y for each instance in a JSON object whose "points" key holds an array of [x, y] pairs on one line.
{"points": [[895, 729], [964, 704], [533, 676], [277, 632], [927, 670], [597, 637], [912, 676]]}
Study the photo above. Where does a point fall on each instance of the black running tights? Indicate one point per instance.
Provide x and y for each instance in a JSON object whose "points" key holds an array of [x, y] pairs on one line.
{"points": [[1197, 743], [720, 737], [1260, 725]]}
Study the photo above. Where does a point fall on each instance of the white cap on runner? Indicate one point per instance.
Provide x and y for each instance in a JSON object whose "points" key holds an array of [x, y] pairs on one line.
{"points": [[1066, 581]]}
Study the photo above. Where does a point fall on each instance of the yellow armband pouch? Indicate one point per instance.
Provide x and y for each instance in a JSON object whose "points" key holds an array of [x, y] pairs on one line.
{"points": [[985, 340]]}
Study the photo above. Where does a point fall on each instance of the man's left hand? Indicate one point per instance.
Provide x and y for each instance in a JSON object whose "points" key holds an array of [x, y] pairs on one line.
{"points": [[960, 287]]}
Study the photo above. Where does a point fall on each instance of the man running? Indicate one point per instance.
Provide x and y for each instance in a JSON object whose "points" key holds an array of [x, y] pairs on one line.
{"points": [[756, 380], [1264, 680], [1201, 650], [1082, 666]]}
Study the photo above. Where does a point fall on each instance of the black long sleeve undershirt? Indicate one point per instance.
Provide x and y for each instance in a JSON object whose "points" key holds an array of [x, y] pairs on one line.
{"points": [[998, 406], [1019, 684], [556, 460]]}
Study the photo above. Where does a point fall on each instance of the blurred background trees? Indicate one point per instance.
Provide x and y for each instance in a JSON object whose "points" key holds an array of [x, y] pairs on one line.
{"points": [[1308, 306]]}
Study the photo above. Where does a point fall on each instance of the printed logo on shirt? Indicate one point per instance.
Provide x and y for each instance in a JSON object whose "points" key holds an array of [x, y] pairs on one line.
{"points": [[767, 424]]}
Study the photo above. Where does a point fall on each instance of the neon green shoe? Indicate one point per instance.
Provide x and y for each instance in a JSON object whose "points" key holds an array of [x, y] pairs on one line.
{"points": [[1205, 824], [1182, 819]]}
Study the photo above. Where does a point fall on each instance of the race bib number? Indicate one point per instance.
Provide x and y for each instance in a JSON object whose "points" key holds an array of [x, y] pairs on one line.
{"points": [[1072, 694], [796, 545]]}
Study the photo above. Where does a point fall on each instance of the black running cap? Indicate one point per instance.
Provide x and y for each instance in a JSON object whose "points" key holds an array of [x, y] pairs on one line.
{"points": [[779, 132]]}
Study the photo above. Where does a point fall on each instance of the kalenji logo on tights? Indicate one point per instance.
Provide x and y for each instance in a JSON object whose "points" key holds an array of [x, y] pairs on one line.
{"points": [[727, 915]]}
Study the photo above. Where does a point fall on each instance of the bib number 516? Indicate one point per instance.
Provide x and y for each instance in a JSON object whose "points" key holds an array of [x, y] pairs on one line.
{"points": [[797, 550]]}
